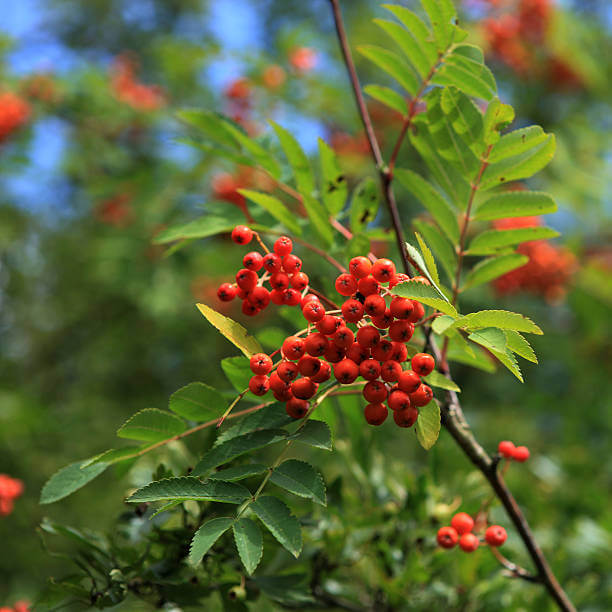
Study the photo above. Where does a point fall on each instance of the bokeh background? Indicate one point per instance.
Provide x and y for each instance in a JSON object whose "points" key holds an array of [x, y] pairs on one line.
{"points": [[97, 322]]}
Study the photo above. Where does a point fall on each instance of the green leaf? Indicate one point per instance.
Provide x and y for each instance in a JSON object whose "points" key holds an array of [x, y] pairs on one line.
{"points": [[489, 269], [387, 96], [442, 16], [519, 166], [435, 379], [458, 351], [290, 590], [430, 198], [496, 118], [517, 344], [233, 331], [490, 337], [364, 205], [517, 142], [426, 295], [211, 124], [464, 116], [275, 207], [115, 455], [268, 417], [417, 258], [357, 245], [333, 189], [249, 542], [203, 227], [470, 76], [502, 319], [441, 324], [300, 478], [68, 480], [235, 447], [515, 204], [314, 433], [393, 65], [206, 536], [277, 517], [238, 371], [197, 402], [418, 30], [428, 425], [151, 425], [240, 472], [256, 151], [489, 241], [319, 218], [408, 44], [187, 487], [428, 259], [440, 245], [297, 159]]}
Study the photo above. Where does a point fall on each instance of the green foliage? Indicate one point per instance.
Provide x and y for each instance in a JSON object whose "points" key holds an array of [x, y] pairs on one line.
{"points": [[427, 426]]}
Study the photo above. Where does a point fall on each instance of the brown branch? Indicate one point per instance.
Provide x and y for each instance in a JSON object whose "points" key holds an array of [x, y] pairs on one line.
{"points": [[515, 571], [453, 418]]}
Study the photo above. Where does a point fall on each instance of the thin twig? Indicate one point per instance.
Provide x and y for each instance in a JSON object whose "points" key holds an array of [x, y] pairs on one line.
{"points": [[516, 571]]}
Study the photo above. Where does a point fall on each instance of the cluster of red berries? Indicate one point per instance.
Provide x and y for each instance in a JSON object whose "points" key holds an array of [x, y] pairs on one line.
{"points": [[368, 341], [548, 271], [18, 606], [14, 112], [508, 451], [461, 532], [10, 489], [132, 92], [115, 211]]}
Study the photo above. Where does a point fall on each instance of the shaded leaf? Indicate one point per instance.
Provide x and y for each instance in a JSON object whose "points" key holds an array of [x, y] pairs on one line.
{"points": [[314, 433], [364, 205], [240, 472], [298, 160], [68, 480], [300, 478], [151, 425], [249, 542], [197, 402], [268, 417], [206, 536], [333, 188], [277, 517], [203, 227], [515, 204], [428, 425], [320, 219], [187, 487], [489, 269], [238, 371]]}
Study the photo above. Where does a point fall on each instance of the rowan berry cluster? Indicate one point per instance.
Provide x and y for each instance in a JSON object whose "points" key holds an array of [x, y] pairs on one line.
{"points": [[14, 112], [508, 451], [18, 606], [461, 531], [10, 489], [365, 339], [129, 90]]}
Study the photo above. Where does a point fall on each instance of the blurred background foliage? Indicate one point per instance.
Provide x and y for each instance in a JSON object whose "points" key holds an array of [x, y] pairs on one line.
{"points": [[97, 322]]}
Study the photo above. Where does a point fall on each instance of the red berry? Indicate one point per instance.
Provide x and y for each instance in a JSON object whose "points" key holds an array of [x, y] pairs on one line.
{"points": [[369, 369], [242, 234], [469, 542], [272, 263], [383, 270], [242, 294], [329, 324], [309, 365], [420, 279], [316, 344], [357, 353], [418, 312], [422, 396], [390, 371], [226, 292], [313, 311], [447, 537], [495, 535], [259, 297], [374, 305], [323, 374], [277, 384], [293, 348], [249, 309], [368, 336], [292, 264], [462, 522], [303, 388], [287, 371], [260, 363], [334, 353], [399, 277], [277, 297], [279, 281], [246, 279], [291, 297], [309, 297], [299, 281], [360, 266], [283, 246], [506, 449], [346, 371], [423, 364], [401, 331], [296, 408], [521, 453], [346, 284], [384, 321], [409, 381], [343, 337], [375, 414], [382, 351], [253, 261], [375, 392], [398, 400], [368, 286], [405, 418], [352, 310], [282, 395], [401, 308], [399, 352], [259, 385]]}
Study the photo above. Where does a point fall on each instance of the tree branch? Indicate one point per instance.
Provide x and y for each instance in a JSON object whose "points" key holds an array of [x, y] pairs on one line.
{"points": [[453, 418]]}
